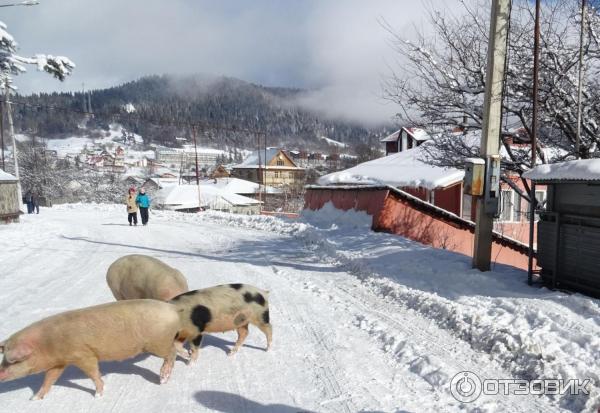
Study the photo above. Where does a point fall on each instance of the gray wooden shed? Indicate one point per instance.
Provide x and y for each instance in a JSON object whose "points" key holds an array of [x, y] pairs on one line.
{"points": [[568, 248], [9, 198]]}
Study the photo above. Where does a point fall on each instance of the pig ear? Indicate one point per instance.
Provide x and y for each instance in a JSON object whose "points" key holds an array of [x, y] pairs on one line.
{"points": [[19, 353]]}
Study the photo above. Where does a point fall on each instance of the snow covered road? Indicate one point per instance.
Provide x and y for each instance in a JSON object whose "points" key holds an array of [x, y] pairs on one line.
{"points": [[361, 323]]}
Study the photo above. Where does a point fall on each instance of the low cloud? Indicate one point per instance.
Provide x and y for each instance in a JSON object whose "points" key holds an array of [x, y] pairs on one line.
{"points": [[337, 50]]}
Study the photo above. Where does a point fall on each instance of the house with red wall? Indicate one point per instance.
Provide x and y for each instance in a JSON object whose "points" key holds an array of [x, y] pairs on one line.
{"points": [[407, 171]]}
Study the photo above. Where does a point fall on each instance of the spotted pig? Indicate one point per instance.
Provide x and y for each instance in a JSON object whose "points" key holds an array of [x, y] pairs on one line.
{"points": [[219, 309]]}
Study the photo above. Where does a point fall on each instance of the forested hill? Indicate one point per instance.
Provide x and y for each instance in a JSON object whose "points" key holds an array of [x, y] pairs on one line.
{"points": [[164, 104]]}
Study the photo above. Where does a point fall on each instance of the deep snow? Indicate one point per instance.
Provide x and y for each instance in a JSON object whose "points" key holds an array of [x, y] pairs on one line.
{"points": [[362, 321]]}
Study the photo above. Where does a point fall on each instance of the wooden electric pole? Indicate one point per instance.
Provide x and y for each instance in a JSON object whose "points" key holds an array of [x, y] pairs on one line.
{"points": [[197, 171], [490, 137], [534, 135], [2, 133], [580, 85]]}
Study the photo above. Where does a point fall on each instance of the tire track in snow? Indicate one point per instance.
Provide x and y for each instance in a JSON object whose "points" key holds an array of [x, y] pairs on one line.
{"points": [[421, 336]]}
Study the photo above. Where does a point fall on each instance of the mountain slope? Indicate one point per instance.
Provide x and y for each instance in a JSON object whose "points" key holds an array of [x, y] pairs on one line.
{"points": [[162, 106]]}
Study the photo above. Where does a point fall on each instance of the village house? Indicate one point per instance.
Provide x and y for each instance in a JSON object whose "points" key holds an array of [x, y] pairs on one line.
{"points": [[404, 139], [185, 157], [278, 170], [371, 184], [219, 171]]}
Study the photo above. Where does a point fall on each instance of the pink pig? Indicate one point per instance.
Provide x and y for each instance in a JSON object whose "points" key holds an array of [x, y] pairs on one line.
{"points": [[114, 331]]}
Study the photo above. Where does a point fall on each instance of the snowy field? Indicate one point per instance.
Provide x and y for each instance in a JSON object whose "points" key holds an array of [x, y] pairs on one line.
{"points": [[363, 322]]}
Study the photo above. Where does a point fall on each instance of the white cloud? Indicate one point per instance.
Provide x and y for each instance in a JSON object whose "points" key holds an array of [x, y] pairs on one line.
{"points": [[336, 47]]}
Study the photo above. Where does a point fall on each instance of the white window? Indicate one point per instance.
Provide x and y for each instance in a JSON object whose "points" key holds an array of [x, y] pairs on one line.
{"points": [[517, 210], [506, 204]]}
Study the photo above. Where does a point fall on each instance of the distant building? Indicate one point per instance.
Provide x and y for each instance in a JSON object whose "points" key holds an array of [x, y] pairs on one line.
{"points": [[276, 169], [219, 172], [185, 157], [404, 139]]}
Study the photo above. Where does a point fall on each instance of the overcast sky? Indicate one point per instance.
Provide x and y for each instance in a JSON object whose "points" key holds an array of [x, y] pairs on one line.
{"points": [[336, 46]]}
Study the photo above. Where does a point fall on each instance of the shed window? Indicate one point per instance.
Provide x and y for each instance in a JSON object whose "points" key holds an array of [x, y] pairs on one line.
{"points": [[540, 197]]}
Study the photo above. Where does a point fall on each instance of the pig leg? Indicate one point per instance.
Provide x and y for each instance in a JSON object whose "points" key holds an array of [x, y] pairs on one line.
{"points": [[167, 367], [242, 334], [195, 347], [181, 350], [268, 331], [49, 379], [90, 368]]}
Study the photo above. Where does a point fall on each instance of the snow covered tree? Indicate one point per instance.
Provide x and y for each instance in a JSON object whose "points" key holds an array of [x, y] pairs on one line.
{"points": [[441, 80], [13, 64]]}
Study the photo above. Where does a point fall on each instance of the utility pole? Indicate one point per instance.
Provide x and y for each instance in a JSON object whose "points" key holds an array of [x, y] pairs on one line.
{"points": [[265, 172], [259, 176], [534, 136], [197, 172], [490, 138], [2, 133], [580, 86]]}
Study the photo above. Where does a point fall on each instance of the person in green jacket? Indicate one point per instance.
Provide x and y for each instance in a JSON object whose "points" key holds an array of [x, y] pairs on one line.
{"points": [[143, 202]]}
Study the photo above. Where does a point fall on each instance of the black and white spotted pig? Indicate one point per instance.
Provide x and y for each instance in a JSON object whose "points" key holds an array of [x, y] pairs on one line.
{"points": [[219, 309]]}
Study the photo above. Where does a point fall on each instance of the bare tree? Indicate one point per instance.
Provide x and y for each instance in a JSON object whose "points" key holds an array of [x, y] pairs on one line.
{"points": [[441, 81]]}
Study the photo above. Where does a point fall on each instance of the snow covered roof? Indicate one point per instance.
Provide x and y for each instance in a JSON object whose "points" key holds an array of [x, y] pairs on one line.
{"points": [[333, 142], [186, 197], [417, 133], [403, 169], [579, 170], [237, 186], [5, 176], [251, 162]]}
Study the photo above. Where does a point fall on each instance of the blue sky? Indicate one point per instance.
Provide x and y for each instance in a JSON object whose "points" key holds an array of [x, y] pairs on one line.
{"points": [[338, 47]]}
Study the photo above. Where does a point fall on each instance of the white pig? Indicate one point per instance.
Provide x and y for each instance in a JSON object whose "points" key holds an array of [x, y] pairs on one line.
{"points": [[140, 276], [114, 331], [219, 309]]}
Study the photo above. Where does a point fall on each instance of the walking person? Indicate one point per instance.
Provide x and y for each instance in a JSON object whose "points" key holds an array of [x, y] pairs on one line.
{"points": [[29, 201], [143, 202], [132, 207], [35, 202]]}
